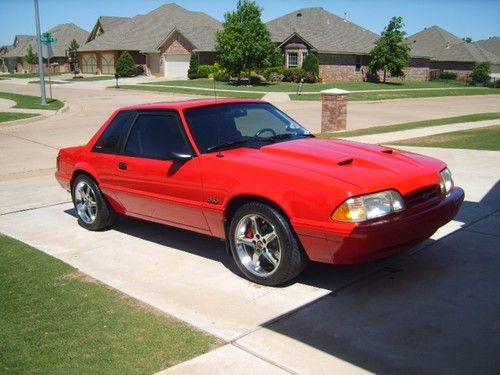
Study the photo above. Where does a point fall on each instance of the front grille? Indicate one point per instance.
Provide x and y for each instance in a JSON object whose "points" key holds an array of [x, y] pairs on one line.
{"points": [[422, 196]]}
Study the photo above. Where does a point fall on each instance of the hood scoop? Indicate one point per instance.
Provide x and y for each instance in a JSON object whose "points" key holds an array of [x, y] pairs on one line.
{"points": [[387, 151], [345, 162]]}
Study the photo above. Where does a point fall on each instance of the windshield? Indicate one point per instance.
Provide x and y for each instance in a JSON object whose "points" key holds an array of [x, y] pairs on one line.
{"points": [[240, 124]]}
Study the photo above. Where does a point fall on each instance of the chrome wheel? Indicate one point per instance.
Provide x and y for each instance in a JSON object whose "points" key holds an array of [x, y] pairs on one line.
{"points": [[257, 245], [85, 202]]}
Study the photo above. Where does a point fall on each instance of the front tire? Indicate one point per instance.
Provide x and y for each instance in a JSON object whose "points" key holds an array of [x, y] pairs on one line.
{"points": [[94, 213], [263, 245]]}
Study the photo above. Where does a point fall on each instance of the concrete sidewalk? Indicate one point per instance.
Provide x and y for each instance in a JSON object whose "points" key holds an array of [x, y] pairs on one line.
{"points": [[423, 132]]}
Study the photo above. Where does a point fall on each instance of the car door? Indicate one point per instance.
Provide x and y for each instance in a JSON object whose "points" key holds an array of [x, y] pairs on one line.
{"points": [[157, 176]]}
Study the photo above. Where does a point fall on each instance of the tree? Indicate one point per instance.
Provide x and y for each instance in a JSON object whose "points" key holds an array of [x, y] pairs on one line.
{"points": [[311, 64], [31, 57], [467, 39], [72, 50], [481, 73], [125, 65], [244, 43], [193, 66], [390, 54]]}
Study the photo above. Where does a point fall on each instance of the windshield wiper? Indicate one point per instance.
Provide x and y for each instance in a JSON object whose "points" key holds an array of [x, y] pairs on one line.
{"points": [[223, 146], [279, 137]]}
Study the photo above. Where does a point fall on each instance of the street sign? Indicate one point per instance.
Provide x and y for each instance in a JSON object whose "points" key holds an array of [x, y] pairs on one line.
{"points": [[47, 51], [48, 38]]}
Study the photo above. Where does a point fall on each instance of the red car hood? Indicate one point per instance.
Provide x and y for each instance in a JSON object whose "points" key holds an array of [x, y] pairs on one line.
{"points": [[368, 167]]}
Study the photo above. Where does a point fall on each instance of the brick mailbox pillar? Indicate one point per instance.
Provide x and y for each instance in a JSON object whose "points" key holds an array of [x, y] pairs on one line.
{"points": [[334, 110]]}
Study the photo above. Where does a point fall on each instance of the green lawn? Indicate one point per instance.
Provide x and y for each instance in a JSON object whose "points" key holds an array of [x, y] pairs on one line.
{"points": [[31, 102], [194, 91], [9, 116], [474, 139], [308, 87], [55, 320], [413, 125], [2, 78], [54, 82], [89, 79], [457, 91], [30, 75]]}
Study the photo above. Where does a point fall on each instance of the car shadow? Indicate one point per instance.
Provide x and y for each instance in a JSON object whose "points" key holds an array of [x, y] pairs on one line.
{"points": [[433, 309], [171, 237]]}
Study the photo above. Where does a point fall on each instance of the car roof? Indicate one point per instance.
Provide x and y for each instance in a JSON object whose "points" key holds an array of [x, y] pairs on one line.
{"points": [[187, 104]]}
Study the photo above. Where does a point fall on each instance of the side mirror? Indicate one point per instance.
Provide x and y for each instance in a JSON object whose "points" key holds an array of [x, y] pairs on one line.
{"points": [[176, 156]]}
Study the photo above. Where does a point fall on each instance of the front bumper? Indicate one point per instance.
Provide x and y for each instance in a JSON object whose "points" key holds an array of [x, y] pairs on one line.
{"points": [[346, 243]]}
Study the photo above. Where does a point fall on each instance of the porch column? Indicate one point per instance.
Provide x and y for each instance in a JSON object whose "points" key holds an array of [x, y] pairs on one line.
{"points": [[334, 110]]}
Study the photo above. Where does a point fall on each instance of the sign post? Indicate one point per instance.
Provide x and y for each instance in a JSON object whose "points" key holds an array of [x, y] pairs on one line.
{"points": [[40, 58], [47, 40]]}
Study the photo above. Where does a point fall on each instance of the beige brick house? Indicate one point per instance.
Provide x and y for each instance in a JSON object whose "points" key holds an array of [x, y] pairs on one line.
{"points": [[160, 41], [447, 52], [342, 47], [15, 59]]}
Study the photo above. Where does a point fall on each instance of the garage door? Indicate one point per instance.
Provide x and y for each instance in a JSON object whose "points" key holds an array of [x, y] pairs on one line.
{"points": [[108, 63], [176, 66], [89, 63]]}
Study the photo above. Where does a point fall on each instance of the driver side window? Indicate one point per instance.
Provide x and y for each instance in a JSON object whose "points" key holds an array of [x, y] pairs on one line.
{"points": [[157, 136]]}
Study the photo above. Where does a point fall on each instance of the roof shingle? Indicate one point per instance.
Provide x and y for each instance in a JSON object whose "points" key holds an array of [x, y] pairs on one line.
{"points": [[441, 45], [64, 33], [147, 32], [325, 31]]}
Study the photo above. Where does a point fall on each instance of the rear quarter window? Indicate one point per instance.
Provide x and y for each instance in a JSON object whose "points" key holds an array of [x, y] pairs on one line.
{"points": [[115, 133]]}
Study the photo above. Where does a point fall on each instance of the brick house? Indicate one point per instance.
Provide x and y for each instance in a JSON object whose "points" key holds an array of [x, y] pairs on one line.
{"points": [[15, 59], [447, 52], [160, 41], [342, 47]]}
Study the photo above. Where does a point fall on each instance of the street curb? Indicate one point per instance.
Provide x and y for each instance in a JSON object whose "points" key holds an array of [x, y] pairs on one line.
{"points": [[6, 124], [64, 109]]}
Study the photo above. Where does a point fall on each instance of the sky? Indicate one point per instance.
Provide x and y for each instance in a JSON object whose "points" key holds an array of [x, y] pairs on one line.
{"points": [[478, 19]]}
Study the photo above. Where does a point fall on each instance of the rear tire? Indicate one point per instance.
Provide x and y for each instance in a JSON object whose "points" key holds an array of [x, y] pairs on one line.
{"points": [[263, 245], [93, 211]]}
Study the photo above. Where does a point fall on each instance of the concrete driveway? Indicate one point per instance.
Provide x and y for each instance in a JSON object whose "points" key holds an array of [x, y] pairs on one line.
{"points": [[434, 309]]}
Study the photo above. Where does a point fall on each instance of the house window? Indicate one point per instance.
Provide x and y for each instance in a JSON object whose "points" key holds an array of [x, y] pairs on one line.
{"points": [[293, 59], [358, 63], [304, 54]]}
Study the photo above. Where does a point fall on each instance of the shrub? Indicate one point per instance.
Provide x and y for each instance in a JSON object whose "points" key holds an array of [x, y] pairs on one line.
{"points": [[125, 65], [448, 75], [204, 71], [275, 77], [311, 64], [481, 73], [193, 66], [277, 70], [255, 80]]}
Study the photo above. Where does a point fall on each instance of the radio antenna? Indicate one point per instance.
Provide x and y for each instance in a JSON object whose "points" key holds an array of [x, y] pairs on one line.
{"points": [[218, 118], [215, 89]]}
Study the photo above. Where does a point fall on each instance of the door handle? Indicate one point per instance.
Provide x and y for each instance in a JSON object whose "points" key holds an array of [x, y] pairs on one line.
{"points": [[122, 165]]}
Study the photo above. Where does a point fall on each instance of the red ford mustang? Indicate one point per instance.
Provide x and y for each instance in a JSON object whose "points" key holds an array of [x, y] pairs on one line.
{"points": [[245, 172]]}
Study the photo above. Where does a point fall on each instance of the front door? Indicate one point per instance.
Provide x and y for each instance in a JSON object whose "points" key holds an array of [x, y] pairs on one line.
{"points": [[151, 182]]}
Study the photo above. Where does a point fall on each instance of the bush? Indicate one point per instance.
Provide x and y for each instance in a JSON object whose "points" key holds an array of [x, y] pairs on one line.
{"points": [[494, 84], [311, 64], [275, 77], [193, 66], [125, 65], [276, 70], [296, 74], [481, 73], [448, 75], [255, 80], [204, 71]]}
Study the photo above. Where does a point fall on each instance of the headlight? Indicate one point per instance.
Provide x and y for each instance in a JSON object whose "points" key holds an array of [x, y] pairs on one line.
{"points": [[369, 206], [446, 181]]}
